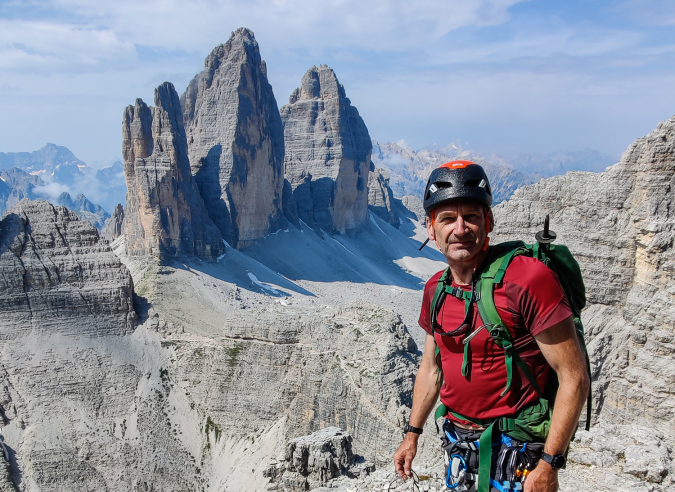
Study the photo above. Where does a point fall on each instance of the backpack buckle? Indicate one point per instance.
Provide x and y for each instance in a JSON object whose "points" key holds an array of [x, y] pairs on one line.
{"points": [[496, 331]]}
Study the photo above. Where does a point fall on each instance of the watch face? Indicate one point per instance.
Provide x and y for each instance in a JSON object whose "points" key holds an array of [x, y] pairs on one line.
{"points": [[558, 461]]}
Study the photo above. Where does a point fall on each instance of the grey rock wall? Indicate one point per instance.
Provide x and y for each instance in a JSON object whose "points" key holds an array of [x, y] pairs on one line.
{"points": [[55, 276], [165, 215], [621, 227], [380, 196], [236, 142], [328, 151], [114, 226]]}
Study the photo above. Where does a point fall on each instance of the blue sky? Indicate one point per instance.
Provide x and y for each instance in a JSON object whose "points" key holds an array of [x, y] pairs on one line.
{"points": [[496, 75]]}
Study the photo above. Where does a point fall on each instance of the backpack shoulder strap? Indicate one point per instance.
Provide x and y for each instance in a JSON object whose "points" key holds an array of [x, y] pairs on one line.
{"points": [[438, 293], [490, 316]]}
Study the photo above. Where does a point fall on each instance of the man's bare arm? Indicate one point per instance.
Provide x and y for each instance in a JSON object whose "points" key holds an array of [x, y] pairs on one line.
{"points": [[427, 386], [560, 347]]}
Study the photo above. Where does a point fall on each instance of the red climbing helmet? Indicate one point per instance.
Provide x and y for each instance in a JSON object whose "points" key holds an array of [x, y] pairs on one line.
{"points": [[457, 179]]}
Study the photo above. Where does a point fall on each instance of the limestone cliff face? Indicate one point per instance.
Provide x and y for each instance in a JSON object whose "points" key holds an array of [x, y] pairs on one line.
{"points": [[165, 216], [57, 277], [114, 226], [380, 196], [620, 225], [327, 153], [235, 141]]}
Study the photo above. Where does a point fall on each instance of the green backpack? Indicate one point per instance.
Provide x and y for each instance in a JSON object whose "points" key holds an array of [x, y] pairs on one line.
{"points": [[533, 421]]}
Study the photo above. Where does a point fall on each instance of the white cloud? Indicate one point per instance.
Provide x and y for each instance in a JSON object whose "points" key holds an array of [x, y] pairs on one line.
{"points": [[44, 45], [402, 143], [52, 190], [294, 24]]}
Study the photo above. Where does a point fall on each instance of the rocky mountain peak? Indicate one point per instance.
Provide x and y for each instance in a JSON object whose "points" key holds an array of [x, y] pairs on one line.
{"points": [[320, 82], [165, 214], [235, 140], [327, 153]]}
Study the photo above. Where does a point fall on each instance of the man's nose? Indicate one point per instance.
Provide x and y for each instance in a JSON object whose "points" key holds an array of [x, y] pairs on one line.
{"points": [[460, 226]]}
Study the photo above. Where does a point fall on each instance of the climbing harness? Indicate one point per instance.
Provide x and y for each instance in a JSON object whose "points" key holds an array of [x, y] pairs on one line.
{"points": [[514, 460]]}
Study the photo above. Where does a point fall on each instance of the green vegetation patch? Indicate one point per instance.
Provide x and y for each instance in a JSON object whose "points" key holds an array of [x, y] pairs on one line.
{"points": [[212, 426], [232, 354]]}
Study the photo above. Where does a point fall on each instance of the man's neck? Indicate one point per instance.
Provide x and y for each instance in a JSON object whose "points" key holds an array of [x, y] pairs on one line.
{"points": [[462, 272]]}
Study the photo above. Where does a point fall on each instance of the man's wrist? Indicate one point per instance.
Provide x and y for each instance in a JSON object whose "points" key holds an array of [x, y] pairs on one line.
{"points": [[554, 462], [411, 429]]}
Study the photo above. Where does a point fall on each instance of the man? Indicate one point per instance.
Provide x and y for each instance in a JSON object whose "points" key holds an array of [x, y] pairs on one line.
{"points": [[534, 309]]}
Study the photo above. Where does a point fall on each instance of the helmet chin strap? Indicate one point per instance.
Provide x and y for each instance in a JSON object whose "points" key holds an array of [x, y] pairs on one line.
{"points": [[486, 243]]}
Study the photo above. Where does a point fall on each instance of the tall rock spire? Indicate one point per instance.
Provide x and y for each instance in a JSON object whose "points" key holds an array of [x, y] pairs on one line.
{"points": [[165, 215], [235, 139], [327, 153]]}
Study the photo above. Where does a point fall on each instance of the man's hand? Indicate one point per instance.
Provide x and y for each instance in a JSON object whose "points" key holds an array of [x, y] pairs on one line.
{"points": [[425, 394], [542, 479], [405, 454]]}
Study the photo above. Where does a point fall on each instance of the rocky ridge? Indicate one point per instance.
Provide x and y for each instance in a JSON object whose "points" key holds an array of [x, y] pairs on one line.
{"points": [[408, 170], [80, 286], [328, 149], [165, 215], [236, 141], [84, 208]]}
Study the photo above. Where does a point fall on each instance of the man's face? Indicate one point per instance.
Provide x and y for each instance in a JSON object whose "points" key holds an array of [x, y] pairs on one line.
{"points": [[459, 229]]}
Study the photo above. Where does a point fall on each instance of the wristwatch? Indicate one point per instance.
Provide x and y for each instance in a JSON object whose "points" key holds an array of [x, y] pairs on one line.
{"points": [[409, 428], [556, 461]]}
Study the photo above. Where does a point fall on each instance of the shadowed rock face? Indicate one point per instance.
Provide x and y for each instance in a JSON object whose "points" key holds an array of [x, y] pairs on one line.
{"points": [[380, 196], [165, 216], [620, 225], [327, 153], [235, 139], [114, 226], [57, 277]]}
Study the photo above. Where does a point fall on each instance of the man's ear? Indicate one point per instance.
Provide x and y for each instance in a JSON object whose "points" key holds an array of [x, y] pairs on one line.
{"points": [[430, 229], [490, 221]]}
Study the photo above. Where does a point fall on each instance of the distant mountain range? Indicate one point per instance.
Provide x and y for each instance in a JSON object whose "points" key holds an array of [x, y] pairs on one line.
{"points": [[16, 185], [55, 174], [409, 169]]}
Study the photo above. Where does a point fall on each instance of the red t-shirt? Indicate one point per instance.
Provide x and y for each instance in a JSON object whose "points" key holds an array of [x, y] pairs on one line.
{"points": [[529, 300]]}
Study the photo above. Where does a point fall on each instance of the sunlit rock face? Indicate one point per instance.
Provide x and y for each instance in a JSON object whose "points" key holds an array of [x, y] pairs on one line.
{"points": [[55, 273], [235, 141], [620, 225], [164, 216], [327, 153]]}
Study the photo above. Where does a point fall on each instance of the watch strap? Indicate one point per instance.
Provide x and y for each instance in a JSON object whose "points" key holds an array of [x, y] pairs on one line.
{"points": [[556, 461], [409, 428]]}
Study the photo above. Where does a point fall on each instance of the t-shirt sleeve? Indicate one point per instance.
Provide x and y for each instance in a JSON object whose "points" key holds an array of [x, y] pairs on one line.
{"points": [[425, 312], [542, 300]]}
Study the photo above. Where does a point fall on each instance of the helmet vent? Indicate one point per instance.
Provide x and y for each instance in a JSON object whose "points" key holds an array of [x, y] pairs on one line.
{"points": [[474, 182]]}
